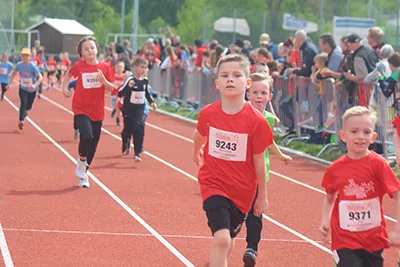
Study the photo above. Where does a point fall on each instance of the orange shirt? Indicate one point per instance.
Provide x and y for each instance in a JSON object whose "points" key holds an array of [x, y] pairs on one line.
{"points": [[89, 92], [357, 220], [232, 140]]}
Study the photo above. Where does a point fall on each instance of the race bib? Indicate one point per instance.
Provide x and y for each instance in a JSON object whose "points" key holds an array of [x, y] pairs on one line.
{"points": [[89, 80], [3, 71], [360, 215], [137, 97], [26, 82], [50, 68], [118, 83], [227, 145]]}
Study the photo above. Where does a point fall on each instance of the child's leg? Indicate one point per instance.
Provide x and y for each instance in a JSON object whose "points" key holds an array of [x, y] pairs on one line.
{"points": [[225, 221], [23, 96], [125, 135], [221, 247], [138, 134], [30, 100], [3, 90]]}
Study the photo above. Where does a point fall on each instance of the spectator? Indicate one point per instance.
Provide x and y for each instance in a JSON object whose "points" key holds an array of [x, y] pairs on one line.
{"points": [[265, 41], [335, 54], [199, 50], [308, 50], [364, 60], [375, 36]]}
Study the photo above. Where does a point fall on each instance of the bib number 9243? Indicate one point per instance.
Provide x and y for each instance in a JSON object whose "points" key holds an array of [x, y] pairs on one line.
{"points": [[225, 145]]}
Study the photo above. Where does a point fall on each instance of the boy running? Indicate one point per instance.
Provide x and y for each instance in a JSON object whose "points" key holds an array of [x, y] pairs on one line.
{"points": [[30, 78], [259, 96], [235, 136], [355, 185], [135, 92]]}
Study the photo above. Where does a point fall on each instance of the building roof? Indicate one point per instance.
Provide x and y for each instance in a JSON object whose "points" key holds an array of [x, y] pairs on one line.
{"points": [[64, 26]]}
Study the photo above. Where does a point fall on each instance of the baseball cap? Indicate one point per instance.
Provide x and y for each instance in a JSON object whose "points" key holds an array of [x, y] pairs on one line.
{"points": [[353, 38], [25, 51]]}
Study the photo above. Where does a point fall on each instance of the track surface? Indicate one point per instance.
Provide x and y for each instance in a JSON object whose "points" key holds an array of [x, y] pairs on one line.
{"points": [[48, 220]]}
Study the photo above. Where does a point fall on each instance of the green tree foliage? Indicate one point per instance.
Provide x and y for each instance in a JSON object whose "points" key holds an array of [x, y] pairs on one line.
{"points": [[190, 20]]}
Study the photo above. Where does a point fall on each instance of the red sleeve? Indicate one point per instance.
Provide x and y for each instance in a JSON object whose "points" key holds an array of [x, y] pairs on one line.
{"points": [[201, 123], [110, 76], [262, 137], [327, 182], [74, 70], [390, 182], [199, 59]]}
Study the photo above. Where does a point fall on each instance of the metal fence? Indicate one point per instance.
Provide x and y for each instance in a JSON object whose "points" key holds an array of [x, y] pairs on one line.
{"points": [[303, 107]]}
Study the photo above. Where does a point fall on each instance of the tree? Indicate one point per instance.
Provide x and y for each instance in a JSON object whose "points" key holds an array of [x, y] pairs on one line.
{"points": [[190, 18]]}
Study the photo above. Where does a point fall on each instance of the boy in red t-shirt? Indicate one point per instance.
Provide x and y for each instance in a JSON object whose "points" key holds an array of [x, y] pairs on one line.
{"points": [[235, 136], [355, 185]]}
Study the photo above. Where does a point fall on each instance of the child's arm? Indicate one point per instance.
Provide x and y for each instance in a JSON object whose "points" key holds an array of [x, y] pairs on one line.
{"points": [[12, 76], [276, 119], [261, 204], [199, 141], [65, 84], [149, 98], [275, 149], [109, 86], [327, 206], [128, 84], [394, 236]]}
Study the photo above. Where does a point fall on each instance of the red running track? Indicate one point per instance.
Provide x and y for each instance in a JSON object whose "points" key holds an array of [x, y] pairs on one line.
{"points": [[49, 221]]}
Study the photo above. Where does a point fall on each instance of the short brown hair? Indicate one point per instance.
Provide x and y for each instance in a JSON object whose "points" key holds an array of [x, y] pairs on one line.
{"points": [[262, 77], [394, 59], [139, 61], [321, 58], [243, 63]]}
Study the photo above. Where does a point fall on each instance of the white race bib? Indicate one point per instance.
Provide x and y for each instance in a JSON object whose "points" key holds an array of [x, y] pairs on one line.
{"points": [[50, 68], [360, 215], [118, 83], [89, 80], [26, 82], [3, 71], [137, 97], [227, 145]]}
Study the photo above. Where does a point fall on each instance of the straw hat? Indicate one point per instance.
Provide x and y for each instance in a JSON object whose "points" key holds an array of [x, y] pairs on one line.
{"points": [[25, 51]]}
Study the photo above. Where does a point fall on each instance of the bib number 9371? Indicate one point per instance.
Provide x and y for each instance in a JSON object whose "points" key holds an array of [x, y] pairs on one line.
{"points": [[360, 215], [227, 145]]}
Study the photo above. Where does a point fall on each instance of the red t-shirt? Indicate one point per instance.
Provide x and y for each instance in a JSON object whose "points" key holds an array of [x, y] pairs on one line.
{"points": [[119, 80], [232, 140], [357, 220], [89, 92], [65, 64], [51, 66]]}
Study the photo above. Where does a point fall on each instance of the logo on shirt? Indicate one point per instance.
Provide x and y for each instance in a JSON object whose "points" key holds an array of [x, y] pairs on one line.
{"points": [[360, 191]]}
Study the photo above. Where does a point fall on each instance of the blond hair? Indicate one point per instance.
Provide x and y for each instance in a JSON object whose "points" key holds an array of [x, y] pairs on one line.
{"points": [[376, 34], [321, 58], [243, 63], [359, 111], [262, 77]]}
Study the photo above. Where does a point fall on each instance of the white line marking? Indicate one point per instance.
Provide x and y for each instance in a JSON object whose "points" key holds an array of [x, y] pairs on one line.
{"points": [[4, 249], [115, 197], [144, 235], [274, 173], [195, 179]]}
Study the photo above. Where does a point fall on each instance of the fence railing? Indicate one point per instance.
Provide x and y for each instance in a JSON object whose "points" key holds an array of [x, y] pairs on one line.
{"points": [[301, 105]]}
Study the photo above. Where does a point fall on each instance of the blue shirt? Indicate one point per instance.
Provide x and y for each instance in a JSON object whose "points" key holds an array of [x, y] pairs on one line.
{"points": [[71, 85], [5, 70], [27, 75]]}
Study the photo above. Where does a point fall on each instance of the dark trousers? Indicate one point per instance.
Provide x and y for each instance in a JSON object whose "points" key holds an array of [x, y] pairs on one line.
{"points": [[134, 126], [26, 103], [89, 132], [254, 227], [359, 258], [3, 90]]}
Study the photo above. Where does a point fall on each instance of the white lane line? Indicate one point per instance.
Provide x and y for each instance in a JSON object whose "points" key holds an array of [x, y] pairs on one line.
{"points": [[195, 179], [115, 197], [4, 249], [144, 235]]}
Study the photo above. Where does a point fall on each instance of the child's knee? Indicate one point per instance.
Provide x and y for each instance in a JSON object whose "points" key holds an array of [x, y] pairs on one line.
{"points": [[222, 239]]}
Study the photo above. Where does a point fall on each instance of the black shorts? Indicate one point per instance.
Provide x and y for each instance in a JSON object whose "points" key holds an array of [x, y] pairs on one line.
{"points": [[358, 258], [222, 213]]}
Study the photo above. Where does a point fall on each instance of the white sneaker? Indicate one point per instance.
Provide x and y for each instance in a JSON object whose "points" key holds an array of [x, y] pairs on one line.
{"points": [[84, 182], [80, 170]]}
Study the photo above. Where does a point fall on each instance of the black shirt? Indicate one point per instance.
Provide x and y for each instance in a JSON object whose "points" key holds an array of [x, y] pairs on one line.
{"points": [[134, 101]]}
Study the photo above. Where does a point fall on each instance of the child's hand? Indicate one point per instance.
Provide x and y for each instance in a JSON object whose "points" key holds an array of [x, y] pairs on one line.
{"points": [[394, 238], [325, 228], [198, 157], [154, 106], [131, 83], [286, 158], [276, 121], [260, 206], [100, 77], [66, 92]]}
